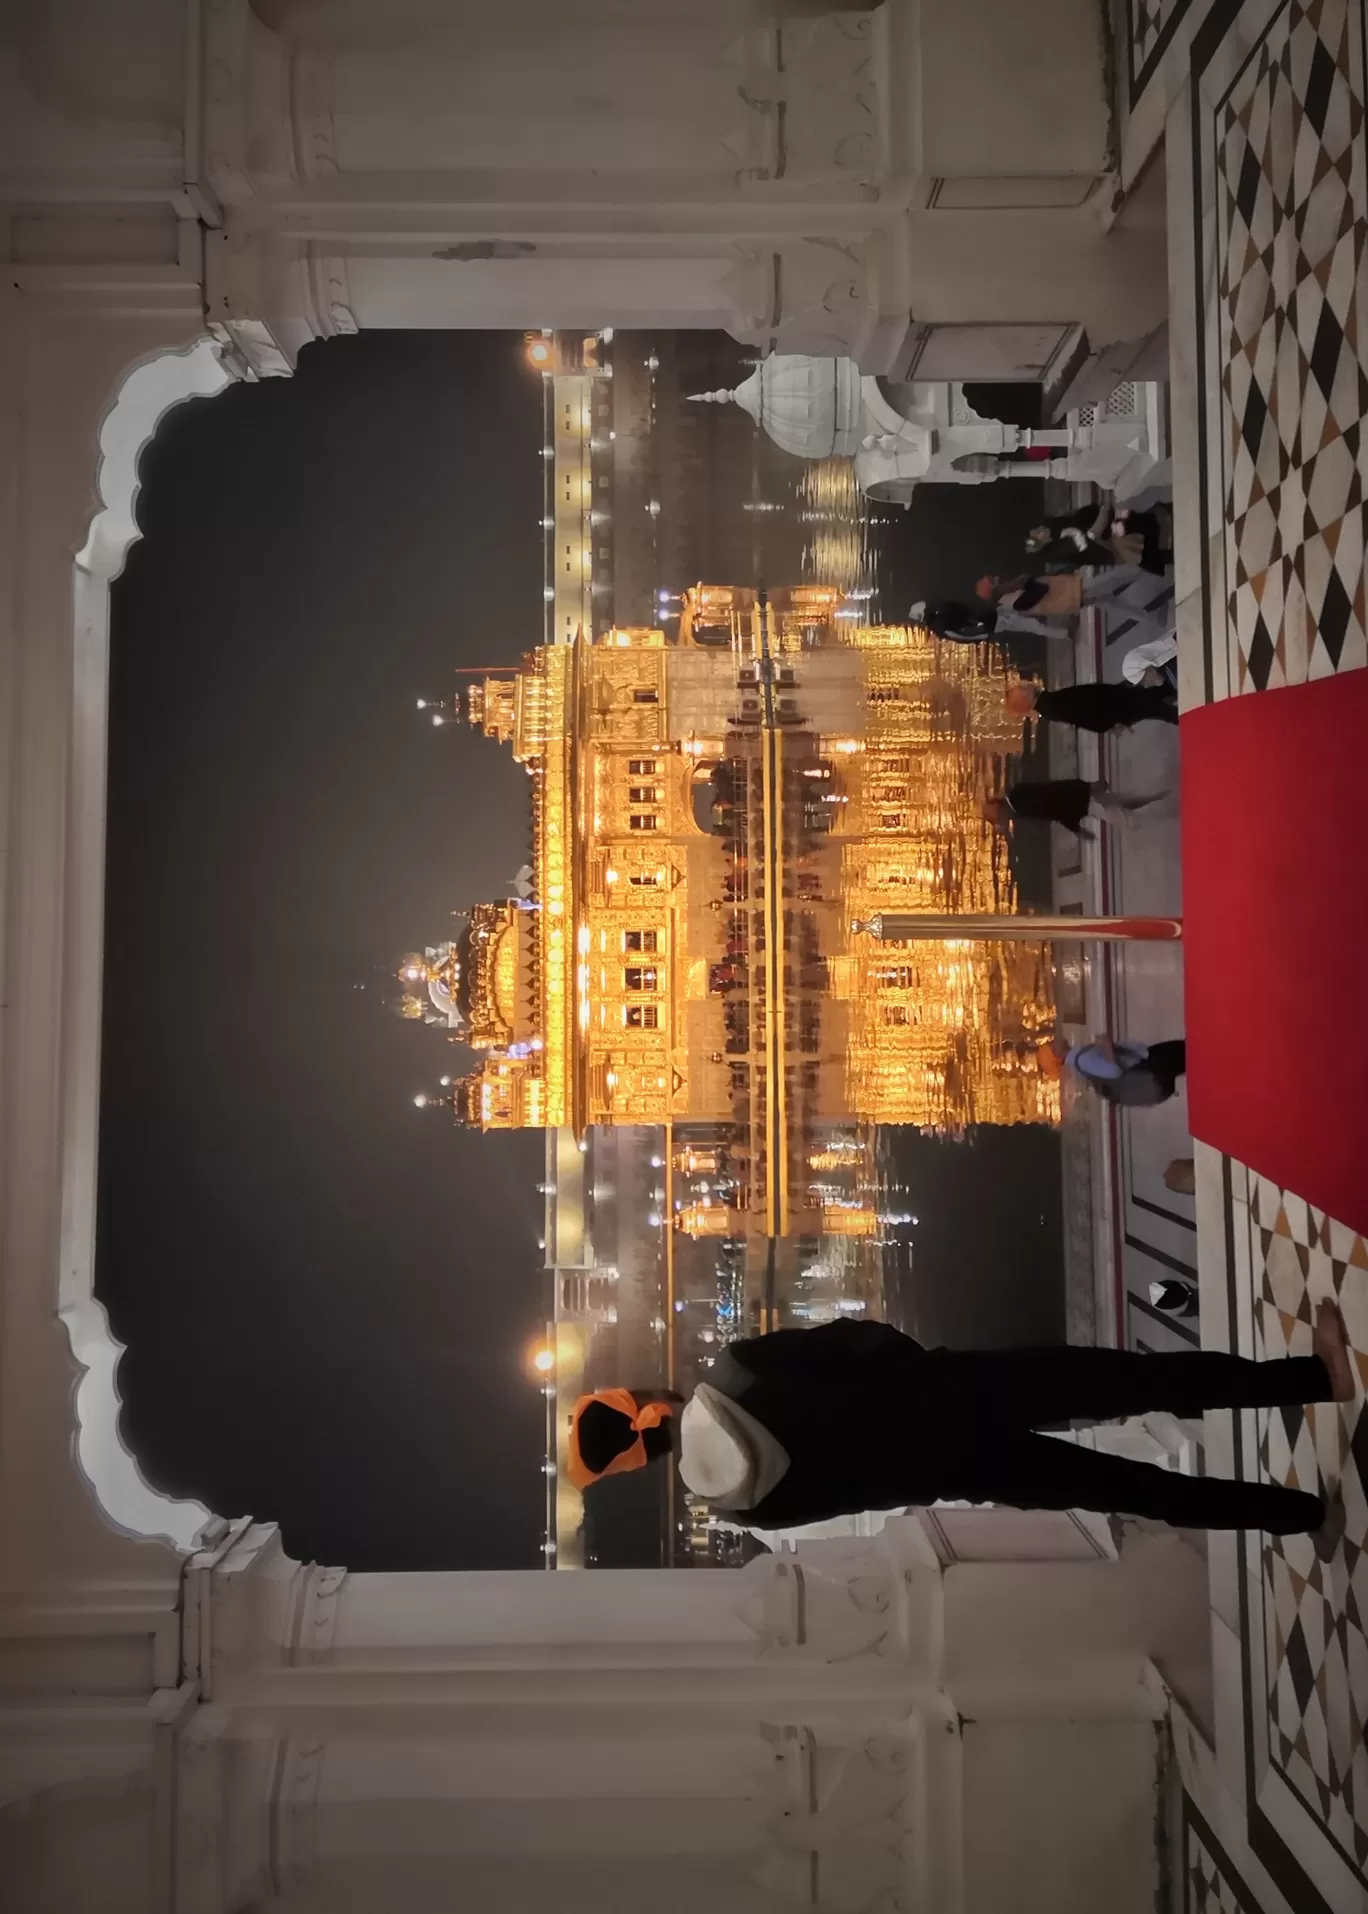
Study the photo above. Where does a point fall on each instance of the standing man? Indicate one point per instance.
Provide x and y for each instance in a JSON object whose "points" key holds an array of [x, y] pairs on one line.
{"points": [[806, 1424], [1093, 707], [1067, 801], [803, 1425]]}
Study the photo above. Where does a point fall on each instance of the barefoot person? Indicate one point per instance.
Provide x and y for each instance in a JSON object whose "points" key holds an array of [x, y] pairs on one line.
{"points": [[803, 1425]]}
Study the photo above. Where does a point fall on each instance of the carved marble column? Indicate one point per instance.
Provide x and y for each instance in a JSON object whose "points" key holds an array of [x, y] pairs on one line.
{"points": [[880, 1724], [704, 168], [708, 1733], [1010, 1759], [101, 332]]}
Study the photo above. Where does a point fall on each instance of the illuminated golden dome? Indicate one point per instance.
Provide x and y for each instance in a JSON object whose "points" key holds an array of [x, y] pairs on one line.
{"points": [[499, 980], [504, 977]]}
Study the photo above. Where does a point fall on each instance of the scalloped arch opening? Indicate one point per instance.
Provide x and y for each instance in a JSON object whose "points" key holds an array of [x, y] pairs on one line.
{"points": [[147, 393]]}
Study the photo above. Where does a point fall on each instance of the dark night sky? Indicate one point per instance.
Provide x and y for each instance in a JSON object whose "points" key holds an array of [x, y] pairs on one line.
{"points": [[326, 1297]]}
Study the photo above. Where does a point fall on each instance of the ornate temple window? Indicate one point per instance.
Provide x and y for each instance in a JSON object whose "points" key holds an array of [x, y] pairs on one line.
{"points": [[897, 1013], [896, 977], [644, 793], [644, 821], [641, 940], [641, 1017], [640, 977], [645, 694], [646, 880], [642, 767]]}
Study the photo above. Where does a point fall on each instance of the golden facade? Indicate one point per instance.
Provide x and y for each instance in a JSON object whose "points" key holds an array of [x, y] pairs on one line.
{"points": [[709, 818]]}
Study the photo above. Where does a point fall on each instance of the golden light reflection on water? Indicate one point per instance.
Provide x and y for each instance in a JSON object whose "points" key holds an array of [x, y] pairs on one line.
{"points": [[1009, 985], [836, 527]]}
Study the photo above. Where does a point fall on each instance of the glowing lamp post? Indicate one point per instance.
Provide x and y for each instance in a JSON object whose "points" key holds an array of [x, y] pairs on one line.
{"points": [[445, 1100], [909, 927]]}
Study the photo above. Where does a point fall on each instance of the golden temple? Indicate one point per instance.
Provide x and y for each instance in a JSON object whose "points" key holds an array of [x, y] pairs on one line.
{"points": [[711, 814]]}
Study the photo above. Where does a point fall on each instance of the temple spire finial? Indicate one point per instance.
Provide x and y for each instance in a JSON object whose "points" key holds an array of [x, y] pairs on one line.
{"points": [[721, 397]]}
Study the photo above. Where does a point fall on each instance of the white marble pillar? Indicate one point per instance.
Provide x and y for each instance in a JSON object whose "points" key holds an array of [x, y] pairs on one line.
{"points": [[876, 182], [910, 1716], [101, 331], [537, 163], [663, 1723]]}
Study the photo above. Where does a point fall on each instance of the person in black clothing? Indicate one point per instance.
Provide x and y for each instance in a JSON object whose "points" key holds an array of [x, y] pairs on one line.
{"points": [[1104, 536], [961, 624], [803, 1425], [1094, 707], [1066, 801]]}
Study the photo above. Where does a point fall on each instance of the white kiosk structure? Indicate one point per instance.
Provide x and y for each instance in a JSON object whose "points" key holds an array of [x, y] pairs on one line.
{"points": [[926, 432]]}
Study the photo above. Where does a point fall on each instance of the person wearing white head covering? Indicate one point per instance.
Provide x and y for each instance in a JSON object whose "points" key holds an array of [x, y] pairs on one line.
{"points": [[803, 1425], [1144, 664]]}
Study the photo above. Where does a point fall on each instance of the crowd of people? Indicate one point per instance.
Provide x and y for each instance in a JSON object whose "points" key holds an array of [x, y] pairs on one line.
{"points": [[799, 1426]]}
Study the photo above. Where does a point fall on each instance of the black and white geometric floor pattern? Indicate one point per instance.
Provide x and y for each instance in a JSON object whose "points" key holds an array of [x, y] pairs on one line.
{"points": [[1292, 237]]}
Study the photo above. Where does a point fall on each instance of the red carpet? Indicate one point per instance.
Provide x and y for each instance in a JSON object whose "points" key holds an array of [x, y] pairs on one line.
{"points": [[1275, 901]]}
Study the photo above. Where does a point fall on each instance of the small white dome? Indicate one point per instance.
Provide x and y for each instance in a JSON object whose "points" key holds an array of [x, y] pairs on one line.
{"points": [[810, 407]]}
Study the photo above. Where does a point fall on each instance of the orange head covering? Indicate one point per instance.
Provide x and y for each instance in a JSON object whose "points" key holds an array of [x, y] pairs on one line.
{"points": [[1049, 1061], [638, 1418]]}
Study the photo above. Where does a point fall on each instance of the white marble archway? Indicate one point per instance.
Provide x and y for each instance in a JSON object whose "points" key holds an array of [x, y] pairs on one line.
{"points": [[151, 389], [91, 359]]}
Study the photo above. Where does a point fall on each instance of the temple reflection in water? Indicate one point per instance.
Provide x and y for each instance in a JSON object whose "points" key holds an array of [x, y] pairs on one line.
{"points": [[711, 813]]}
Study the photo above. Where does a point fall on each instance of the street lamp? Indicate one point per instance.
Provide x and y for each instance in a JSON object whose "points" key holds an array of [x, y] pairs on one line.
{"points": [[907, 927], [447, 1101], [441, 710]]}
